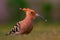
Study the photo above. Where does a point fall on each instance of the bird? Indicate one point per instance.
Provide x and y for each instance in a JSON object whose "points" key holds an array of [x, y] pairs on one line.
{"points": [[26, 25]]}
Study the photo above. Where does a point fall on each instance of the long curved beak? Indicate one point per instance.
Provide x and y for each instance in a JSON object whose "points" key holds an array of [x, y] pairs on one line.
{"points": [[41, 17]]}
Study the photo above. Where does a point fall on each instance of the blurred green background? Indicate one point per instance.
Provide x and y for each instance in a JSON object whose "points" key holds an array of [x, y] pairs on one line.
{"points": [[49, 9]]}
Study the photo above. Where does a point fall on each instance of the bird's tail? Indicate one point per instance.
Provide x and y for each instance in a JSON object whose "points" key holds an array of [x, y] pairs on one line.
{"points": [[13, 30]]}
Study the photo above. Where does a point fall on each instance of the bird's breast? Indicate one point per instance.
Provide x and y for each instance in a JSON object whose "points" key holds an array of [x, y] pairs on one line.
{"points": [[26, 25]]}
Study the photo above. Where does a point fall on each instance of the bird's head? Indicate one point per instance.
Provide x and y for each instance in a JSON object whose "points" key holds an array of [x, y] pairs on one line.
{"points": [[32, 13]]}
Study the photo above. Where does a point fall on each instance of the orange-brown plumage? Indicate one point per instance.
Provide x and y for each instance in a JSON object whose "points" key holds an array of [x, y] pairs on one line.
{"points": [[25, 26]]}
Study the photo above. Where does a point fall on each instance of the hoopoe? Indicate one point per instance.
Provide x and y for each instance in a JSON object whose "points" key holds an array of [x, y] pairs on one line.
{"points": [[25, 26]]}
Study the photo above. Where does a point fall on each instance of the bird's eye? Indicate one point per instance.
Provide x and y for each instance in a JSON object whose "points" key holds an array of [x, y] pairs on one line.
{"points": [[32, 13]]}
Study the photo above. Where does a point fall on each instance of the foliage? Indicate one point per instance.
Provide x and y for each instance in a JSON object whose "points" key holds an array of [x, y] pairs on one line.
{"points": [[13, 7], [46, 9]]}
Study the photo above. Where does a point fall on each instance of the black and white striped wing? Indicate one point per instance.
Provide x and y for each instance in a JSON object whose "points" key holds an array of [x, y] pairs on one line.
{"points": [[15, 29]]}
